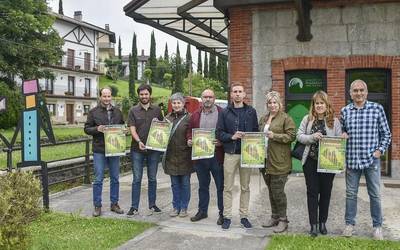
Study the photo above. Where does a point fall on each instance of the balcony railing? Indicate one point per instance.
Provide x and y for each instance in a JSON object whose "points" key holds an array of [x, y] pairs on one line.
{"points": [[106, 45], [79, 64]]}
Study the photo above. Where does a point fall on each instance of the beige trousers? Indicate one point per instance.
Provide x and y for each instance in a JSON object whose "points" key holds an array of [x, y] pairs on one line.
{"points": [[231, 164]]}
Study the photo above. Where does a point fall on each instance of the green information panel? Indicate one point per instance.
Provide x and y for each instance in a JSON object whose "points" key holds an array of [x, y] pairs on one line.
{"points": [[305, 82]]}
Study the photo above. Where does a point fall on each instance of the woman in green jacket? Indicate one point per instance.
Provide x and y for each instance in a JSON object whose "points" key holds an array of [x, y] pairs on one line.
{"points": [[280, 131]]}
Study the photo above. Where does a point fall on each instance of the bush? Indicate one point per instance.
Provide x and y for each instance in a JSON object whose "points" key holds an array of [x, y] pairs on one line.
{"points": [[10, 118], [19, 205], [114, 90]]}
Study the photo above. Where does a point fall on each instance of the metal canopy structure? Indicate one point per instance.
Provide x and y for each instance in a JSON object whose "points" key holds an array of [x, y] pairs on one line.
{"points": [[204, 23], [196, 22]]}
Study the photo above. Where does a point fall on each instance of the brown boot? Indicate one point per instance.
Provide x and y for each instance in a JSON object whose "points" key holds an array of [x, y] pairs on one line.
{"points": [[282, 225], [116, 209], [96, 212], [272, 222]]}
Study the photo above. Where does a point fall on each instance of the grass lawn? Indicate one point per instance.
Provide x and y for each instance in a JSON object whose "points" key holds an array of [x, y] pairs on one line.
{"points": [[303, 242], [62, 133], [70, 231], [124, 91]]}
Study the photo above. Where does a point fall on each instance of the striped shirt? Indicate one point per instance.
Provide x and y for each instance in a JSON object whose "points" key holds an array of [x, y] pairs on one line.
{"points": [[368, 130]]}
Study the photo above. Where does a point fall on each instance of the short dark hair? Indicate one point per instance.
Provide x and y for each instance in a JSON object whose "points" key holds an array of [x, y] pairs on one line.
{"points": [[101, 90], [144, 87]]}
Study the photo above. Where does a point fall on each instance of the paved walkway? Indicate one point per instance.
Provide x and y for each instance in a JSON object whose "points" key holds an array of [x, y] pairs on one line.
{"points": [[181, 233]]}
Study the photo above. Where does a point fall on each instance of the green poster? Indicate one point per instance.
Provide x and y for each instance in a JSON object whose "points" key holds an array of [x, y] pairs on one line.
{"points": [[252, 153], [115, 140], [331, 155], [203, 143], [158, 135]]}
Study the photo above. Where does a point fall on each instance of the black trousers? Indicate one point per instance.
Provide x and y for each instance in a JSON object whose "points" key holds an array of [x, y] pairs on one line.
{"points": [[319, 187]]}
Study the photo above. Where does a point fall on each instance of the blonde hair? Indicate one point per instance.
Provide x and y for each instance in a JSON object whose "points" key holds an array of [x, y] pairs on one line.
{"points": [[329, 114], [274, 95]]}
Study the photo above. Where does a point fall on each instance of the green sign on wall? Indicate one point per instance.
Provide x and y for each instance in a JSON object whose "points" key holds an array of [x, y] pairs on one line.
{"points": [[300, 87]]}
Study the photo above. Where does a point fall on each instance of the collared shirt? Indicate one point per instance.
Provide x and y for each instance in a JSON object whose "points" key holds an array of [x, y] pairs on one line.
{"points": [[209, 119], [368, 131], [141, 119]]}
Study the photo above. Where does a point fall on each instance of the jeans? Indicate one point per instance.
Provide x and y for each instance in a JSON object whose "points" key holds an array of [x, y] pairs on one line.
{"points": [[319, 188], [99, 162], [180, 185], [152, 158], [203, 168], [372, 177]]}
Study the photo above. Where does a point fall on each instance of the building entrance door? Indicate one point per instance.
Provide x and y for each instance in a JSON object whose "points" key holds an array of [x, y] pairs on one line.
{"points": [[379, 84], [300, 87], [70, 113]]}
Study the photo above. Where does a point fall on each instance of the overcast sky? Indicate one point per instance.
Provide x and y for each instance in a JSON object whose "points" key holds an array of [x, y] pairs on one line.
{"points": [[101, 12]]}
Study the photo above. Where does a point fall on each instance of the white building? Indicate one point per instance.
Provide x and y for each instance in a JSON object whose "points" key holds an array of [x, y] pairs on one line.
{"points": [[142, 61], [74, 90]]}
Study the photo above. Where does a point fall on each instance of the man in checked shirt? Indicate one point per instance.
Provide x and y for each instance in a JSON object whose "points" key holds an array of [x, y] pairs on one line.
{"points": [[368, 136]]}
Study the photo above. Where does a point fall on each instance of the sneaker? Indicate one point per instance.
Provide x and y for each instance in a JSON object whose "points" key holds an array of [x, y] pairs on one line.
{"points": [[96, 212], [348, 230], [377, 234], [220, 220], [132, 211], [116, 209], [199, 216], [174, 213], [154, 209], [245, 223], [226, 224], [183, 213]]}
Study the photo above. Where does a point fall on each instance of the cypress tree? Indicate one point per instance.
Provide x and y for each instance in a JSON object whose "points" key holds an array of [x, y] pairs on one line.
{"points": [[152, 58], [166, 56], [206, 75], [213, 66], [133, 66], [60, 7], [188, 61], [199, 63], [119, 48], [178, 86]]}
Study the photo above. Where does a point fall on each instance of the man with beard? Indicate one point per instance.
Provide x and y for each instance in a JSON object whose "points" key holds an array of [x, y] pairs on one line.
{"points": [[206, 117], [100, 116], [139, 121], [233, 122]]}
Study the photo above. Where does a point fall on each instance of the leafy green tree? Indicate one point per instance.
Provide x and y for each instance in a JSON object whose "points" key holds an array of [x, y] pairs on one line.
{"points": [[178, 84], [14, 106], [199, 63], [27, 40], [199, 84], [166, 56], [188, 63], [114, 66], [163, 67], [147, 75], [213, 67], [206, 74], [167, 79]]}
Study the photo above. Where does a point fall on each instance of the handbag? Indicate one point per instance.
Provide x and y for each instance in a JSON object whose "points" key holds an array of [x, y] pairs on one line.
{"points": [[298, 150]]}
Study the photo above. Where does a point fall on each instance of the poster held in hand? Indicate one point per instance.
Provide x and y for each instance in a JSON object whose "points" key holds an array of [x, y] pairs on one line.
{"points": [[158, 135], [252, 150], [331, 155], [203, 146], [115, 140]]}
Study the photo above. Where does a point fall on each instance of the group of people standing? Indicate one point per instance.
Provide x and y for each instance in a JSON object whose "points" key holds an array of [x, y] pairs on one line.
{"points": [[362, 123]]}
